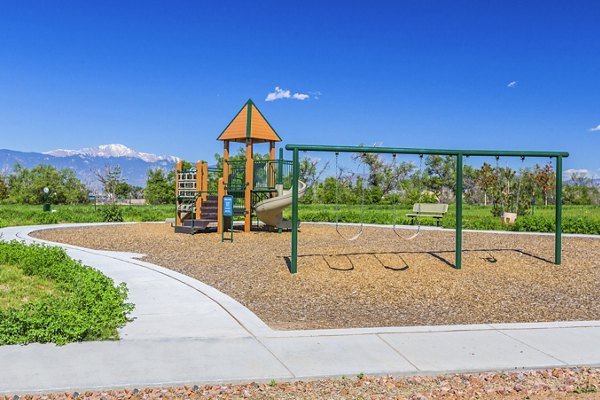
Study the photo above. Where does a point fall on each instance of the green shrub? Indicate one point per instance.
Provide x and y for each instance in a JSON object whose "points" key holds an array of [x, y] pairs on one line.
{"points": [[88, 306], [14, 215], [111, 213]]}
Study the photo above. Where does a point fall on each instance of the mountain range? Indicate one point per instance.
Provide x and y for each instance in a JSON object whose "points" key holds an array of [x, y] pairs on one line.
{"points": [[88, 161]]}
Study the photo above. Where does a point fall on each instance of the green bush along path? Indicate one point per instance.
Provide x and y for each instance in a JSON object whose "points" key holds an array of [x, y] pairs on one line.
{"points": [[45, 296], [16, 215]]}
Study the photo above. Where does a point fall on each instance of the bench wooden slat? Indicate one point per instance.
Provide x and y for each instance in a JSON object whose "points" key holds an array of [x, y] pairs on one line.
{"points": [[437, 208], [426, 215], [432, 210]]}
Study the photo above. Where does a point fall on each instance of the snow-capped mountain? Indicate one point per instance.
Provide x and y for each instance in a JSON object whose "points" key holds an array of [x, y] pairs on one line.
{"points": [[111, 150], [86, 163]]}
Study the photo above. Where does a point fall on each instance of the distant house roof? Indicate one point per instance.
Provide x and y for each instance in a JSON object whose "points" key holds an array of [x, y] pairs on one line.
{"points": [[249, 123]]}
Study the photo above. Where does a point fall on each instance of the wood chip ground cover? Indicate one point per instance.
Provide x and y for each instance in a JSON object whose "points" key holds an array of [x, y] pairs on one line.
{"points": [[548, 384], [377, 280]]}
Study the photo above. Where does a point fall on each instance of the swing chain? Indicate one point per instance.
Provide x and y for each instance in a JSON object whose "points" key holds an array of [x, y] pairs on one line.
{"points": [[337, 206], [419, 202]]}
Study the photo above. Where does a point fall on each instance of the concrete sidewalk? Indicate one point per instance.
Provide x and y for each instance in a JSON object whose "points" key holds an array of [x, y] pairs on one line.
{"points": [[187, 332]]}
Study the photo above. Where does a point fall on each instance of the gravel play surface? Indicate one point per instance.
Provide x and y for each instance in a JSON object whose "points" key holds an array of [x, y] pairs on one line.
{"points": [[548, 384], [377, 280]]}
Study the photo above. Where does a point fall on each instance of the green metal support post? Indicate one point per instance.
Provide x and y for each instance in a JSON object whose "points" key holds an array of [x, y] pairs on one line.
{"points": [[558, 209], [279, 179], [295, 177], [459, 204]]}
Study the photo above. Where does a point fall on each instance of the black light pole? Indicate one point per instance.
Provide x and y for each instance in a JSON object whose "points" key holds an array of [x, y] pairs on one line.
{"points": [[46, 206]]}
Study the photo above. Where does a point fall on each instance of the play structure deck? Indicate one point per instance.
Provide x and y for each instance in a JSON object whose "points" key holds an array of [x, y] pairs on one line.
{"points": [[259, 188]]}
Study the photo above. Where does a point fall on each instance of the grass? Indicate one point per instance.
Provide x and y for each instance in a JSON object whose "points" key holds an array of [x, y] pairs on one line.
{"points": [[576, 219], [14, 215], [18, 289], [45, 296]]}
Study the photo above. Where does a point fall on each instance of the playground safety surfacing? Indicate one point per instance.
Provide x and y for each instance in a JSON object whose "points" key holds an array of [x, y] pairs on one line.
{"points": [[378, 280]]}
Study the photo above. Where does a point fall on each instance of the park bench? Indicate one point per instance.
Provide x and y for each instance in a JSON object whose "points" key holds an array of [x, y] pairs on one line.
{"points": [[436, 211]]}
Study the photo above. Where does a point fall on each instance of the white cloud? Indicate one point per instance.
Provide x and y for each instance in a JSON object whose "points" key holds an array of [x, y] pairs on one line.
{"points": [[280, 93], [579, 172], [596, 129], [512, 84], [300, 96]]}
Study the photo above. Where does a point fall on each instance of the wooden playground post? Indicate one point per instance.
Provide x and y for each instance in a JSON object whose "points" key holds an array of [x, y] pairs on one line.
{"points": [[220, 194], [178, 167], [204, 180], [225, 161], [199, 185]]}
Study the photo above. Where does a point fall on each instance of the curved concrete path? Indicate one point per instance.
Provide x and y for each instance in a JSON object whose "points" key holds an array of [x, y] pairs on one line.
{"points": [[187, 332]]}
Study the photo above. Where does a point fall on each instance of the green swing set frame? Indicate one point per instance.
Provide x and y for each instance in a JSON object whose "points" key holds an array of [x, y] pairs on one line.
{"points": [[459, 154]]}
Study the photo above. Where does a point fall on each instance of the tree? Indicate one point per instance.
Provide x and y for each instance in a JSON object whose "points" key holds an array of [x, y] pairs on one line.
{"points": [[160, 187], [123, 190], [137, 192], [240, 157], [581, 189], [440, 176], [111, 181], [310, 173], [545, 179], [486, 179], [387, 176], [26, 186], [3, 187]]}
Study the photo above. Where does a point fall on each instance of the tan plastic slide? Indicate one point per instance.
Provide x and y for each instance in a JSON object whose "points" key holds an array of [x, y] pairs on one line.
{"points": [[270, 211]]}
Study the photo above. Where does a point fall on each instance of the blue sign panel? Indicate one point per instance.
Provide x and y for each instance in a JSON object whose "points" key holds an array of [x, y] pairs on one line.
{"points": [[228, 206]]}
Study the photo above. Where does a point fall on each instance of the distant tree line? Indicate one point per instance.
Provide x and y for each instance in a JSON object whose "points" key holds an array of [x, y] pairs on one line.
{"points": [[26, 186], [384, 181], [388, 181]]}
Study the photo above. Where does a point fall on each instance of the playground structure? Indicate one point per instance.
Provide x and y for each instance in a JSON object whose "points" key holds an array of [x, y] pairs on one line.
{"points": [[459, 154], [260, 188], [263, 188]]}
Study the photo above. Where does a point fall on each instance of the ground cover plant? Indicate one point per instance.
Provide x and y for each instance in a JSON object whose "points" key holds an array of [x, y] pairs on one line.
{"points": [[16, 215], [45, 296]]}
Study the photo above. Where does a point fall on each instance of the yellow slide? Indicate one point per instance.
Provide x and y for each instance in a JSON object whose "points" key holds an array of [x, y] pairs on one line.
{"points": [[270, 211]]}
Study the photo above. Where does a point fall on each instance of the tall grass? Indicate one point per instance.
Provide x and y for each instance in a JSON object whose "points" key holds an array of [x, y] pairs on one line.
{"points": [[576, 219], [13, 215]]}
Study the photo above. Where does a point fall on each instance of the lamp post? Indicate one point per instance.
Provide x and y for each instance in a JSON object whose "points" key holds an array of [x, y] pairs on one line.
{"points": [[46, 206]]}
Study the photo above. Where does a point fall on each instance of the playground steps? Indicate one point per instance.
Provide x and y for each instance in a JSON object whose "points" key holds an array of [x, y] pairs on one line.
{"points": [[209, 214], [210, 209]]}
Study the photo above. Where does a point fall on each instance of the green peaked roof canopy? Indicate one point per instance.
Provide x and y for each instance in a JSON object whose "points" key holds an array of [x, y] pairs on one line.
{"points": [[249, 123]]}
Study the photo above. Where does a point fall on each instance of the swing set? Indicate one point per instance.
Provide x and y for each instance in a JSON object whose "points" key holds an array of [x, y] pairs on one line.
{"points": [[459, 154]]}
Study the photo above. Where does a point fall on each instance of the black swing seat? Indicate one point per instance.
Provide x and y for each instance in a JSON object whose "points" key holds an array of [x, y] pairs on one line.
{"points": [[432, 210]]}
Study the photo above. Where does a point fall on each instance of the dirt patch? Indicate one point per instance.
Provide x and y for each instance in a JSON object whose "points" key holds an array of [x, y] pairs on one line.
{"points": [[377, 280], [548, 384]]}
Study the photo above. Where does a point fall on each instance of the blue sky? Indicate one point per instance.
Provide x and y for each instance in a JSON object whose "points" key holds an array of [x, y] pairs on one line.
{"points": [[166, 77]]}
